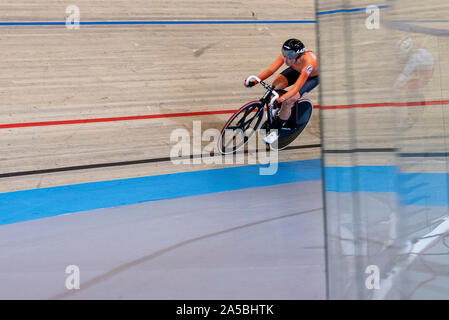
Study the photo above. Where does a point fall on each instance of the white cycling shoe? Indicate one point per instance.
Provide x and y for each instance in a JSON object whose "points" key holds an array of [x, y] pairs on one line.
{"points": [[272, 137]]}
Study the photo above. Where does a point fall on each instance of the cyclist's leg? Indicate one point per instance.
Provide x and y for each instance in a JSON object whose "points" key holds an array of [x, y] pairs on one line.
{"points": [[280, 123], [285, 79], [286, 108], [287, 105]]}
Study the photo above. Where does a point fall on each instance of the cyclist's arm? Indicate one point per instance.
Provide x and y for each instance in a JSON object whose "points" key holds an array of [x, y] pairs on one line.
{"points": [[305, 72], [411, 66], [273, 68]]}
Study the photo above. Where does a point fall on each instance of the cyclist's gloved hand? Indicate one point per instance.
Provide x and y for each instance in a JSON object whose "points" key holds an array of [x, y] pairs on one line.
{"points": [[250, 84]]}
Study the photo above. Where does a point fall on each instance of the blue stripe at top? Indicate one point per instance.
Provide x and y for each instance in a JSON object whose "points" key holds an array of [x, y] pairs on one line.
{"points": [[93, 23], [348, 10]]}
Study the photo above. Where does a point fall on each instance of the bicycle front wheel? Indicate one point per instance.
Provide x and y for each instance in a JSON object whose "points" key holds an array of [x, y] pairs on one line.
{"points": [[242, 125]]}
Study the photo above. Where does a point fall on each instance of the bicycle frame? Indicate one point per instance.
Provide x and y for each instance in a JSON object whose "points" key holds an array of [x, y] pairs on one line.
{"points": [[265, 99], [243, 125]]}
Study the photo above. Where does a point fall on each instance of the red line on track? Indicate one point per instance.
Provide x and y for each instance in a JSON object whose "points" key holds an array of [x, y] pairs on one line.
{"points": [[389, 104], [151, 116], [203, 113]]}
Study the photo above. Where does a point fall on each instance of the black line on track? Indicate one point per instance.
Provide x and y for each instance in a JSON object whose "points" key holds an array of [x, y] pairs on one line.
{"points": [[360, 150], [424, 155], [166, 159], [126, 163], [386, 150]]}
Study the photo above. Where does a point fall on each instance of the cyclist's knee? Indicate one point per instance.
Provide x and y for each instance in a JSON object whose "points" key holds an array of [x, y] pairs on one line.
{"points": [[279, 84], [291, 101]]}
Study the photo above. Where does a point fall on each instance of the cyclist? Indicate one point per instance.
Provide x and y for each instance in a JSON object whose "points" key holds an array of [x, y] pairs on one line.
{"points": [[302, 73], [419, 67]]}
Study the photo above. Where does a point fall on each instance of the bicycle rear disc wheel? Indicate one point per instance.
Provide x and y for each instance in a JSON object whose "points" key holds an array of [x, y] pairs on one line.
{"points": [[240, 127], [303, 113]]}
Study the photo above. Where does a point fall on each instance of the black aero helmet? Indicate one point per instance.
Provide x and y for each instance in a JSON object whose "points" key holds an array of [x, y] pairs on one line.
{"points": [[293, 48]]}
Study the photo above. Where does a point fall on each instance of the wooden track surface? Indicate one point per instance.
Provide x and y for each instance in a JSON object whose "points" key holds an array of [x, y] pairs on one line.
{"points": [[50, 73]]}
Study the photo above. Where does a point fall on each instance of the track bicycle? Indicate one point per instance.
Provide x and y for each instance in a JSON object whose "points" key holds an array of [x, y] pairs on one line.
{"points": [[245, 122]]}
